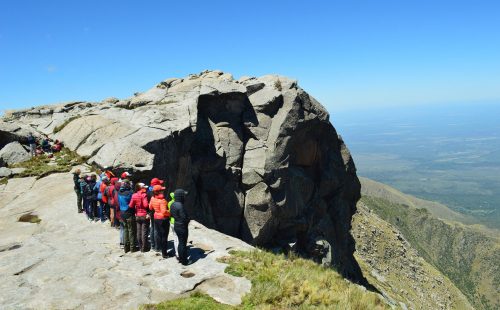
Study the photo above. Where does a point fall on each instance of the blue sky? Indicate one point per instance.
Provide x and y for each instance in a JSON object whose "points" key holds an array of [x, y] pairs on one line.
{"points": [[348, 54]]}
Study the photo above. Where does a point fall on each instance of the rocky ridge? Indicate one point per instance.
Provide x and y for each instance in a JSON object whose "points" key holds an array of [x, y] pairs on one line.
{"points": [[259, 156]]}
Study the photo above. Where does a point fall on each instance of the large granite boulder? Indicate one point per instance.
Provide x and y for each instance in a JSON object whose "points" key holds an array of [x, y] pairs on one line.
{"points": [[13, 153], [259, 156]]}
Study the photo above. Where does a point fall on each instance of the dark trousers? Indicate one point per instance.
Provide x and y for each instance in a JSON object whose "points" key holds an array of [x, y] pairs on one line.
{"points": [[79, 200], [93, 208], [182, 234], [102, 210], [142, 232], [129, 234], [161, 234], [87, 205]]}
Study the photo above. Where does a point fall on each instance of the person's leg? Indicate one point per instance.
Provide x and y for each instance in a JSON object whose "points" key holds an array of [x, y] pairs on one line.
{"points": [[126, 237], [167, 228], [162, 234], [152, 234], [86, 205], [157, 235], [79, 200], [182, 234], [99, 210], [122, 233], [131, 233], [140, 241], [176, 240], [112, 216]]}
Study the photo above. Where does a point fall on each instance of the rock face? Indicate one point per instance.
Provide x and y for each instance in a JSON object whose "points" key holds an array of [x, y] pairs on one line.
{"points": [[13, 153], [259, 157]]}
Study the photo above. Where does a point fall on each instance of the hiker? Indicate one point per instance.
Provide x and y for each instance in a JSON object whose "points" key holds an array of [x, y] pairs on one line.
{"points": [[93, 197], [104, 199], [158, 203], [76, 181], [100, 186], [127, 216], [109, 194], [118, 215], [152, 229], [46, 145], [32, 143], [139, 203], [57, 147], [182, 219], [87, 197], [172, 221]]}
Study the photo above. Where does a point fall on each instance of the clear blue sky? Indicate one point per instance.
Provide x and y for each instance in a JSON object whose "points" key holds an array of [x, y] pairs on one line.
{"points": [[348, 54]]}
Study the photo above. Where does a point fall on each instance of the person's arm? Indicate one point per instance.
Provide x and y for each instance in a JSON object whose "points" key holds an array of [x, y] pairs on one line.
{"points": [[163, 208]]}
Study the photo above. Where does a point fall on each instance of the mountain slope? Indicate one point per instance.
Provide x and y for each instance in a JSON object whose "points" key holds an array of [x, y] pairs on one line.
{"points": [[467, 255], [376, 189], [395, 268]]}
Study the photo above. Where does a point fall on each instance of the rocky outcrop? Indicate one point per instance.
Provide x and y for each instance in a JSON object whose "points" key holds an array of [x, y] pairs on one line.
{"points": [[13, 153], [259, 156]]}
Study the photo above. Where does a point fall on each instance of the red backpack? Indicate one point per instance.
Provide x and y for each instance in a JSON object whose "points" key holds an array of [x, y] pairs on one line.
{"points": [[110, 194]]}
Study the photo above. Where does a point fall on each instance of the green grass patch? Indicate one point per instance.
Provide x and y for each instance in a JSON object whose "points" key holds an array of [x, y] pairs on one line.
{"points": [[66, 122], [279, 282], [4, 181], [195, 301], [41, 166]]}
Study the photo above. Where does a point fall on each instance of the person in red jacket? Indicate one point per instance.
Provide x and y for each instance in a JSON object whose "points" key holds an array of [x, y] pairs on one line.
{"points": [[110, 193], [158, 203], [139, 202]]}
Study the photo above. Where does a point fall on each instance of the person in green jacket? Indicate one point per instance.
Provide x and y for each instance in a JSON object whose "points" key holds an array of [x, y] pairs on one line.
{"points": [[172, 221]]}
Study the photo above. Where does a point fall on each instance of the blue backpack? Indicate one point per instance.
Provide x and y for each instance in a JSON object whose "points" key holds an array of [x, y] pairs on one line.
{"points": [[124, 198]]}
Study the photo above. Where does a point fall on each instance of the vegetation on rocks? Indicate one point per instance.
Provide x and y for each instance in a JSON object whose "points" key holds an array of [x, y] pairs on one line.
{"points": [[279, 282], [40, 166]]}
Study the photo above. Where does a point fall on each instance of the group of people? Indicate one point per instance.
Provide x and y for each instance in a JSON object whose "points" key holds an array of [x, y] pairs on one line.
{"points": [[142, 213], [43, 145]]}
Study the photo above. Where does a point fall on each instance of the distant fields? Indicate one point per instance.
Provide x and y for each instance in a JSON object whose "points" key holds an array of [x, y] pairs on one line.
{"points": [[444, 153]]}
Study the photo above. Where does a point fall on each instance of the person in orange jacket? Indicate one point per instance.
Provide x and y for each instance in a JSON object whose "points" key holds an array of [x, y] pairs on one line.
{"points": [[158, 203]]}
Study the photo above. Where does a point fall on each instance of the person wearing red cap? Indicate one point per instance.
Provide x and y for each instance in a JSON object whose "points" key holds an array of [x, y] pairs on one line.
{"points": [[152, 230], [158, 203]]}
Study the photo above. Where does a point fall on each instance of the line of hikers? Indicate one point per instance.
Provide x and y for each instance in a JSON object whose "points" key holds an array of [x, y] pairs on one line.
{"points": [[141, 212]]}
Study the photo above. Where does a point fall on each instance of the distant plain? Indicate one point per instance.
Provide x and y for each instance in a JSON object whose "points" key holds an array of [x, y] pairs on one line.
{"points": [[449, 153]]}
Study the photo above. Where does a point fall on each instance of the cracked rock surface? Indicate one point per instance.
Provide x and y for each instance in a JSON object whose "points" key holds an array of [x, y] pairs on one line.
{"points": [[258, 155], [65, 262]]}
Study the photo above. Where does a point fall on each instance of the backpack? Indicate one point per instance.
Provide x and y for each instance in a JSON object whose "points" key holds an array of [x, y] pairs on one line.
{"points": [[109, 192], [124, 199]]}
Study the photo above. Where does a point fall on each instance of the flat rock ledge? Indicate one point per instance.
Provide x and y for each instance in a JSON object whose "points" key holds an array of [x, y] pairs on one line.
{"points": [[67, 262]]}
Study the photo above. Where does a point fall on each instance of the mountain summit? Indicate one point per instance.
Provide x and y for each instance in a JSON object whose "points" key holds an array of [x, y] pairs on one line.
{"points": [[259, 156]]}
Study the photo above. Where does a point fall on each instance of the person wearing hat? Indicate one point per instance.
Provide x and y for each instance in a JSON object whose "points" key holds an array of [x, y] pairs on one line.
{"points": [[158, 203], [181, 217], [127, 216], [139, 203], [152, 230], [76, 181]]}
